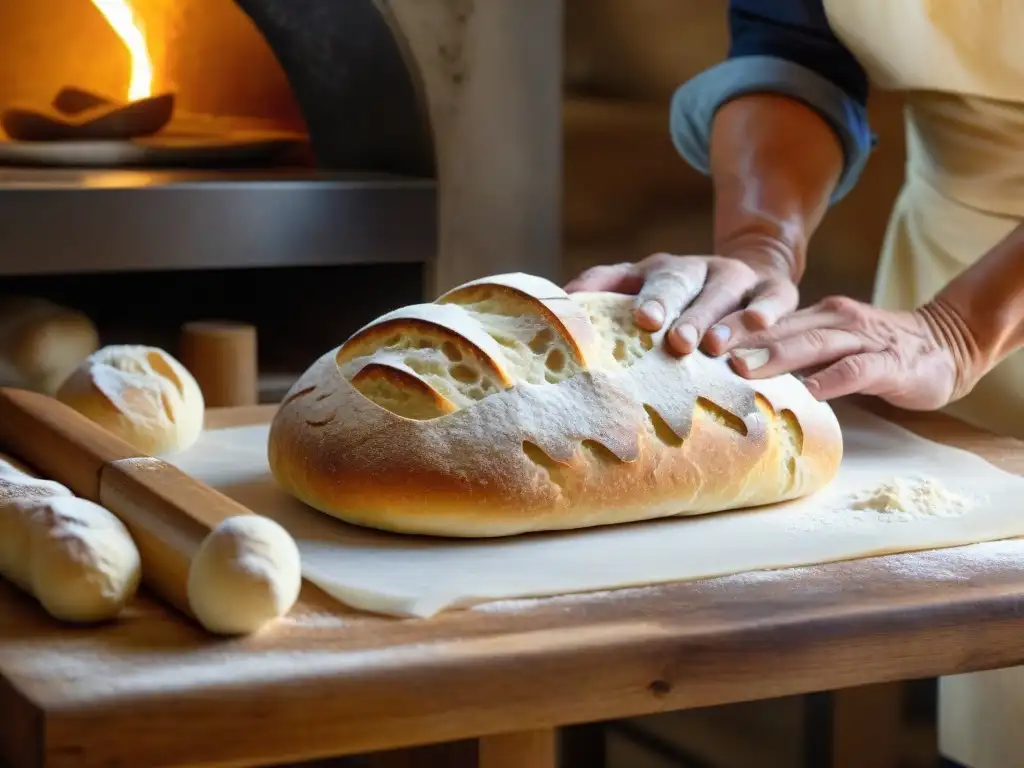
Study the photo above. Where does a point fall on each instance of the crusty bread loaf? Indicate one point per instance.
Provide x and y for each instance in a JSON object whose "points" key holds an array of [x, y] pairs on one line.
{"points": [[509, 406], [41, 343], [141, 394]]}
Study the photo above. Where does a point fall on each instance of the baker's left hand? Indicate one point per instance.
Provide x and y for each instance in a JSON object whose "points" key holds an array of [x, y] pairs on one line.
{"points": [[845, 347]]}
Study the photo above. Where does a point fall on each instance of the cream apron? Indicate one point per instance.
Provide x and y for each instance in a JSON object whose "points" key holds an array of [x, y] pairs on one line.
{"points": [[961, 65]]}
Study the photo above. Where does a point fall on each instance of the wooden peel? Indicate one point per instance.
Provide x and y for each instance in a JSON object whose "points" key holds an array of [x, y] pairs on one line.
{"points": [[73, 101], [168, 513], [80, 116]]}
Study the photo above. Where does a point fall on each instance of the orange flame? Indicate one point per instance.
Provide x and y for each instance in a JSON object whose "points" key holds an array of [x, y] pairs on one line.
{"points": [[129, 29]]}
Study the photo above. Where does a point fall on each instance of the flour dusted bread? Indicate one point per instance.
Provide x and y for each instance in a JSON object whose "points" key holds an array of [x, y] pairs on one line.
{"points": [[141, 394], [74, 556], [508, 406], [41, 343]]}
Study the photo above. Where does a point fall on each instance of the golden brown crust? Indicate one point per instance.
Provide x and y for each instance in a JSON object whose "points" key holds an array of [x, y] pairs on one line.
{"points": [[615, 443], [141, 394]]}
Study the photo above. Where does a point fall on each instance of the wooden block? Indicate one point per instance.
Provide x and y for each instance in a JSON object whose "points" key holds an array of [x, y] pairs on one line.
{"points": [[222, 355]]}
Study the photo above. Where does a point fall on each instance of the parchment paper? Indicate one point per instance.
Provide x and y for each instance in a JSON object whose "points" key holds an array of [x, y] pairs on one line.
{"points": [[411, 576]]}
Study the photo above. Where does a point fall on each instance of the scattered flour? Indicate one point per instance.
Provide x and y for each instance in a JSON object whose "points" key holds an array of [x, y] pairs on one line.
{"points": [[905, 499], [312, 619], [566, 601]]}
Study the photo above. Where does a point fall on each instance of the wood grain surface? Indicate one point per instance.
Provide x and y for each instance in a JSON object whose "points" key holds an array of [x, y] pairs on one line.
{"points": [[154, 690]]}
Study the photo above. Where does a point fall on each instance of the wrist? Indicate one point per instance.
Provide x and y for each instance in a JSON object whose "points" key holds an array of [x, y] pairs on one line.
{"points": [[765, 249], [988, 300], [767, 234], [950, 330]]}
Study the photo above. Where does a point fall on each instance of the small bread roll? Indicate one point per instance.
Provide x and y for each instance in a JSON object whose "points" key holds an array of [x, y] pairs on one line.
{"points": [[41, 343], [141, 394], [75, 557], [246, 574]]}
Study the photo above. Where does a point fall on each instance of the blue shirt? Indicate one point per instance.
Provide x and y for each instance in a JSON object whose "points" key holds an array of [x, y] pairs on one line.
{"points": [[784, 47]]}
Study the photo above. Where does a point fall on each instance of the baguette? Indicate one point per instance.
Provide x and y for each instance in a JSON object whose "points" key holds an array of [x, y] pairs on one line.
{"points": [[508, 406], [72, 555]]}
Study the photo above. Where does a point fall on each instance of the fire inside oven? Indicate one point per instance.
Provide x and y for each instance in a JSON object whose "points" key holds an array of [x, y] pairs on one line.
{"points": [[208, 134], [143, 83], [162, 161]]}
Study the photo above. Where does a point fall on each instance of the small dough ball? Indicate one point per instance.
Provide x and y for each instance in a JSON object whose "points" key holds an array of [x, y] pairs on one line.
{"points": [[141, 394], [78, 560], [246, 574]]}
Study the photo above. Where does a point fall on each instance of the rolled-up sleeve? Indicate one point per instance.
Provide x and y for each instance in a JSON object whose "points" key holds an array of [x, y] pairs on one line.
{"points": [[784, 47]]}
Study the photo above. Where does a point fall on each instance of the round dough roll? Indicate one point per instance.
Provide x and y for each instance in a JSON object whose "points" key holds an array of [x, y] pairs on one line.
{"points": [[246, 573], [141, 394]]}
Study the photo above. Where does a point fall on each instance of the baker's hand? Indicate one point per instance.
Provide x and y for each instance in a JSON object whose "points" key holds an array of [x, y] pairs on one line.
{"points": [[915, 360], [711, 301]]}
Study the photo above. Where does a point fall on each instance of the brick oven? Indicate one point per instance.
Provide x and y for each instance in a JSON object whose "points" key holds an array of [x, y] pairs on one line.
{"points": [[321, 160]]}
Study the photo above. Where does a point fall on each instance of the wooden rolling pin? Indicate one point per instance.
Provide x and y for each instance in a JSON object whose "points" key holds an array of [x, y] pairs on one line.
{"points": [[202, 552]]}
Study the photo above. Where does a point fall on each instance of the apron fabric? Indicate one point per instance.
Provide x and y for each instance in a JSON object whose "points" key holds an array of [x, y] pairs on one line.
{"points": [[960, 65]]}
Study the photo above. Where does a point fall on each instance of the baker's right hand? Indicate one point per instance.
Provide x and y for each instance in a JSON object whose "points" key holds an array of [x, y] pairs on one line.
{"points": [[711, 302]]}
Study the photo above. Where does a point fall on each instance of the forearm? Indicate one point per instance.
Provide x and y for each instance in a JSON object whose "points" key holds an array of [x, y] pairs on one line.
{"points": [[983, 308], [775, 164], [781, 126]]}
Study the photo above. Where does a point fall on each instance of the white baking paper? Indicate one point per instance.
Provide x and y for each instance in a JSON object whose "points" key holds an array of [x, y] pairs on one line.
{"points": [[413, 576]]}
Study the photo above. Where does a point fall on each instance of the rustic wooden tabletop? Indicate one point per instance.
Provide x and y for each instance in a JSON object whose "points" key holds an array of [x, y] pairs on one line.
{"points": [[154, 690]]}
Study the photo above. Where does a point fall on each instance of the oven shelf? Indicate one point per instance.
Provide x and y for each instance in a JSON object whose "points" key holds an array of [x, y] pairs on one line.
{"points": [[66, 221]]}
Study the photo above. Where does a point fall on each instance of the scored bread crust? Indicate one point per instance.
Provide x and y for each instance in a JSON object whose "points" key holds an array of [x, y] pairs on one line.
{"points": [[401, 390], [139, 393], [527, 295], [618, 431]]}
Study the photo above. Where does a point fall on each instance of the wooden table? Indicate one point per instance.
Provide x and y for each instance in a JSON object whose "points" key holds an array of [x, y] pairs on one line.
{"points": [[154, 691]]}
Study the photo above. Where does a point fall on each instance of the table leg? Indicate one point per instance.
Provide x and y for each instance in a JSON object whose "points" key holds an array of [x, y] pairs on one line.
{"points": [[866, 724], [526, 749], [457, 754]]}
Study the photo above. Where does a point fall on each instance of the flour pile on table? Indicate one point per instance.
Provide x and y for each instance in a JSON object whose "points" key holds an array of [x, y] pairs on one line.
{"points": [[903, 499]]}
